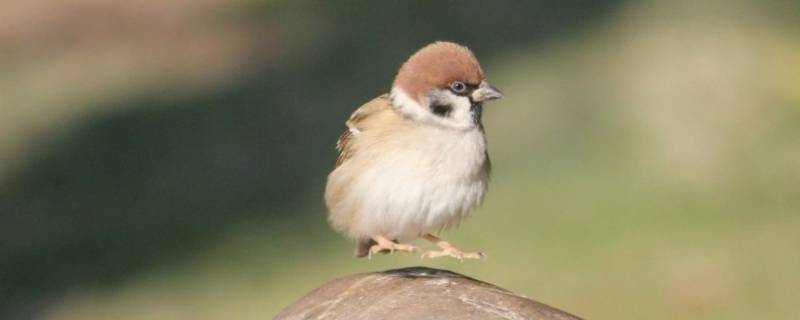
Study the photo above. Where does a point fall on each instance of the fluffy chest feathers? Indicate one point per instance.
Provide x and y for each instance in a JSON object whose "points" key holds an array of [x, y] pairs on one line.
{"points": [[403, 179], [428, 154]]}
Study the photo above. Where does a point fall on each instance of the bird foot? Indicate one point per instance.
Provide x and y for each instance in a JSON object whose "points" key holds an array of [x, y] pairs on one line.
{"points": [[455, 253], [390, 247]]}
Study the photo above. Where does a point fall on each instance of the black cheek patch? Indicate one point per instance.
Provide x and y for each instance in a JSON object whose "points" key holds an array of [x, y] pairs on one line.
{"points": [[441, 110]]}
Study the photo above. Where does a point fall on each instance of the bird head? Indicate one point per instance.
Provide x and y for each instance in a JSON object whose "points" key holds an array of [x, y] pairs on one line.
{"points": [[442, 84]]}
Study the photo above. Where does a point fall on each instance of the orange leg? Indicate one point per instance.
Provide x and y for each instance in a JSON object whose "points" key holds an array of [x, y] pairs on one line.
{"points": [[449, 250], [383, 244]]}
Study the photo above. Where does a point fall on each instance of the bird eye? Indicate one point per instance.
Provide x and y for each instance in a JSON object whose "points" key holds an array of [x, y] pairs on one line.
{"points": [[458, 86]]}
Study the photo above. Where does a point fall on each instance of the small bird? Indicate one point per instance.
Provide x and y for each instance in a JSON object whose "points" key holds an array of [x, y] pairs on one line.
{"points": [[414, 162]]}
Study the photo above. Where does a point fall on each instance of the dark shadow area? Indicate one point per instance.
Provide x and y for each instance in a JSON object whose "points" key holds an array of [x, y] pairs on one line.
{"points": [[158, 182], [424, 272]]}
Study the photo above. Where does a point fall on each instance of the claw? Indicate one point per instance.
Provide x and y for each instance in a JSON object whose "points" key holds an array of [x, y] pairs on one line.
{"points": [[449, 250], [454, 253], [390, 247]]}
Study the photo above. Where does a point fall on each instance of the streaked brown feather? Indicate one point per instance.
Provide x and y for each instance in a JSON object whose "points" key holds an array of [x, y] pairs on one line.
{"points": [[355, 123], [342, 146]]}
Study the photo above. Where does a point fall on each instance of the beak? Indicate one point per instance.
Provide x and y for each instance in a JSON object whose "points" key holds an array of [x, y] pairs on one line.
{"points": [[486, 92]]}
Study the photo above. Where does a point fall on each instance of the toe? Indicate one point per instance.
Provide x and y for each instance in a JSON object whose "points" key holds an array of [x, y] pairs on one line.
{"points": [[475, 255], [432, 254]]}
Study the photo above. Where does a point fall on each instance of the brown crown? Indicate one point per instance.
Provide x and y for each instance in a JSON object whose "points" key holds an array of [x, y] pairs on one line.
{"points": [[437, 65]]}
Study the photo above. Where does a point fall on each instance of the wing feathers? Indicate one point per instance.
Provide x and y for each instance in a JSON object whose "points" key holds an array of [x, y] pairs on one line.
{"points": [[356, 124]]}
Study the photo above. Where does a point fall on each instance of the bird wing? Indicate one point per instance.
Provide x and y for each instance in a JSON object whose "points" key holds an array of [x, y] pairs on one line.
{"points": [[357, 123]]}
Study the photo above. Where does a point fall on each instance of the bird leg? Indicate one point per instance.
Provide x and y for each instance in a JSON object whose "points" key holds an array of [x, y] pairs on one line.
{"points": [[449, 250], [383, 244]]}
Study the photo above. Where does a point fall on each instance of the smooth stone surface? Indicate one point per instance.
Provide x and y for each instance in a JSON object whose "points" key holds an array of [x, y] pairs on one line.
{"points": [[416, 293]]}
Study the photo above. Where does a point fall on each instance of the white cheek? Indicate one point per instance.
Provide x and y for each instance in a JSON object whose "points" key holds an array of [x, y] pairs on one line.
{"points": [[407, 106], [460, 116]]}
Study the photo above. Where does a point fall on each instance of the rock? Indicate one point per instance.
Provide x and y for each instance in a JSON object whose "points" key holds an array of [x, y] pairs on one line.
{"points": [[416, 293]]}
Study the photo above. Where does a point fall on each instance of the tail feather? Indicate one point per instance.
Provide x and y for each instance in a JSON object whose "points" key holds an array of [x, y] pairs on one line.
{"points": [[362, 247]]}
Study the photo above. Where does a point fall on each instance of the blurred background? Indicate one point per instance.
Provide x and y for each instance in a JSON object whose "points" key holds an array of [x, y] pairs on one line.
{"points": [[166, 159]]}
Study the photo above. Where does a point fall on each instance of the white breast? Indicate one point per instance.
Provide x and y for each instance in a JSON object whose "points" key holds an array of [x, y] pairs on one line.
{"points": [[418, 182]]}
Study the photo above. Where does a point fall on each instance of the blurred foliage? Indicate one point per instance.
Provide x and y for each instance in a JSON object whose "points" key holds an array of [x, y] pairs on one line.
{"points": [[167, 159]]}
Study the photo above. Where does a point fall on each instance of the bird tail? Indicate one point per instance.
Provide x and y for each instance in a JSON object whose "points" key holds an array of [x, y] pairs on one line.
{"points": [[362, 247]]}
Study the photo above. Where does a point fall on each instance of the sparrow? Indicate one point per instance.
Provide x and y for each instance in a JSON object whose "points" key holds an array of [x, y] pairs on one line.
{"points": [[414, 162]]}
